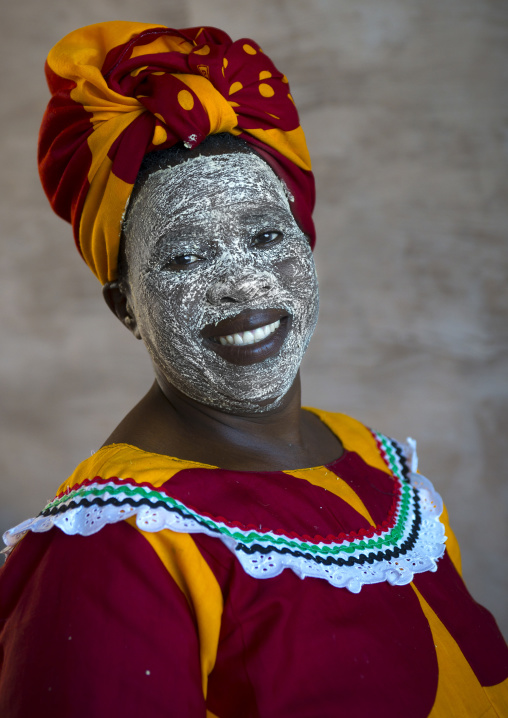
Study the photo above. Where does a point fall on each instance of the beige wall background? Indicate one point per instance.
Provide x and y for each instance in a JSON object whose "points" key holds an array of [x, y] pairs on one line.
{"points": [[405, 106]]}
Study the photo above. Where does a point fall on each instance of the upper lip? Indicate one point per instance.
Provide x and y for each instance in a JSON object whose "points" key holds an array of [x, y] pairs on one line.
{"points": [[248, 320]]}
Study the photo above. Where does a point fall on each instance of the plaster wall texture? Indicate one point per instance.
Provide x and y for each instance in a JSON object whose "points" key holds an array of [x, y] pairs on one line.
{"points": [[405, 107]]}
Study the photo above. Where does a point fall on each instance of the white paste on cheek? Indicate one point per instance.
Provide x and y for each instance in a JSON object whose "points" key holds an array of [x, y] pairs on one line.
{"points": [[214, 207]]}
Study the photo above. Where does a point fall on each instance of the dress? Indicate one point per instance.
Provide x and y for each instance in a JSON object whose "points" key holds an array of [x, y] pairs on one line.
{"points": [[311, 593]]}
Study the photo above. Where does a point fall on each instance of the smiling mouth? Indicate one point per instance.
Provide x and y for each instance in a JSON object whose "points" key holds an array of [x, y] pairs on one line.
{"points": [[250, 337]]}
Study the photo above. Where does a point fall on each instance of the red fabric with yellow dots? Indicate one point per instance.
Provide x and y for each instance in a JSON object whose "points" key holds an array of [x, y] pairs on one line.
{"points": [[122, 89]]}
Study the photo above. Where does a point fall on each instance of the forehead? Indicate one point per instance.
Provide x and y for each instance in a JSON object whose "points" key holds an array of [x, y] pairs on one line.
{"points": [[206, 184]]}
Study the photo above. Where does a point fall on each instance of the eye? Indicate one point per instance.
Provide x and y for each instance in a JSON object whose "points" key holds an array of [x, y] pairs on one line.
{"points": [[182, 260], [267, 239]]}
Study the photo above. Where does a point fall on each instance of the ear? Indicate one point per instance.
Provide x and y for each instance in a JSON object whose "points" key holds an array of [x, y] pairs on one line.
{"points": [[116, 299]]}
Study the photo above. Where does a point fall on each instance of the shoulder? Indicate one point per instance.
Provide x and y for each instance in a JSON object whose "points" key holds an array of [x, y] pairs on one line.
{"points": [[376, 449], [124, 461], [107, 487], [393, 456]]}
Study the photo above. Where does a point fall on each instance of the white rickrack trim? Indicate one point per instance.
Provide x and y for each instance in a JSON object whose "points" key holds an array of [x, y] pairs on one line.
{"points": [[428, 548]]}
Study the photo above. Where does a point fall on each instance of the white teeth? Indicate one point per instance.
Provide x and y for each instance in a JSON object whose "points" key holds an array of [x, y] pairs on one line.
{"points": [[257, 335]]}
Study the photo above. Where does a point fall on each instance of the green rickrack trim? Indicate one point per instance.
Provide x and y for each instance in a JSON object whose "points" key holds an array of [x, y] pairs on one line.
{"points": [[391, 455], [388, 539]]}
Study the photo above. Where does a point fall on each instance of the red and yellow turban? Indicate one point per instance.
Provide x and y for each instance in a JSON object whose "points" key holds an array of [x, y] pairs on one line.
{"points": [[122, 89]]}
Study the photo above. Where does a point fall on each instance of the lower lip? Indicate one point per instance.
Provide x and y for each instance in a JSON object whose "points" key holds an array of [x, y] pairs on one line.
{"points": [[243, 355]]}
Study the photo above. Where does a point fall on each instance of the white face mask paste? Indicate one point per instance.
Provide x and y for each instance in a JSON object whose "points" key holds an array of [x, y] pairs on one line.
{"points": [[213, 208]]}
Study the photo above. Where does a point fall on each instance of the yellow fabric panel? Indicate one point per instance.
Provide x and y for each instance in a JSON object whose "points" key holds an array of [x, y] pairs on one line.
{"points": [[291, 144], [498, 696], [122, 115], [121, 460], [166, 43], [191, 573], [99, 224], [220, 113], [452, 545], [458, 692], [100, 227], [92, 92], [326, 479], [354, 437], [209, 714], [87, 51]]}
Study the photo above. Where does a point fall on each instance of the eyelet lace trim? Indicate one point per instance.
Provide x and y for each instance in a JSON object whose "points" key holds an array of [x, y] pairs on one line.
{"points": [[410, 541]]}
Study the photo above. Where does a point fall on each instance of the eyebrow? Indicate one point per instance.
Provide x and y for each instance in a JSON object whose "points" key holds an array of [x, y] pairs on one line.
{"points": [[166, 240], [248, 217], [260, 215]]}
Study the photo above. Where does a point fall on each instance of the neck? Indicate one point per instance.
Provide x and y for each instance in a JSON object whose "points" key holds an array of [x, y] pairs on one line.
{"points": [[263, 433], [168, 422]]}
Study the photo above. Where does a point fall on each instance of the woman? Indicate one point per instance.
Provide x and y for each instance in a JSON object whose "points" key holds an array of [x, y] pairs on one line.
{"points": [[225, 553]]}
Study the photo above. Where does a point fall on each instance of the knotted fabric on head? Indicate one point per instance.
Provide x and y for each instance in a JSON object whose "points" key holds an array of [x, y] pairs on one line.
{"points": [[122, 89]]}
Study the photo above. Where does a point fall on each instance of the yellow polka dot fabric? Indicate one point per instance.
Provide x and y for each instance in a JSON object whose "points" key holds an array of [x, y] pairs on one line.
{"points": [[185, 100], [266, 90]]}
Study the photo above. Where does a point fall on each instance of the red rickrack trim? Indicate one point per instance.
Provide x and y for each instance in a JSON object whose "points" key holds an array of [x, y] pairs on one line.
{"points": [[381, 450], [361, 534]]}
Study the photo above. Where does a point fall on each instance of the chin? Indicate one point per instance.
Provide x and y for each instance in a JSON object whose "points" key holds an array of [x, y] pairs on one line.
{"points": [[239, 395], [231, 405]]}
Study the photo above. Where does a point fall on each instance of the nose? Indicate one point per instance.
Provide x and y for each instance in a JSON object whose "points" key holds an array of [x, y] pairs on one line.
{"points": [[241, 289]]}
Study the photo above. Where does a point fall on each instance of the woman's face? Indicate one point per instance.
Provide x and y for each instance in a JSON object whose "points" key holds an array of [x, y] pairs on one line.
{"points": [[221, 281]]}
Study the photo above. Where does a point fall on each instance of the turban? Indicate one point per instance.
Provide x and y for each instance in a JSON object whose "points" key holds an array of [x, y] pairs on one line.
{"points": [[122, 89]]}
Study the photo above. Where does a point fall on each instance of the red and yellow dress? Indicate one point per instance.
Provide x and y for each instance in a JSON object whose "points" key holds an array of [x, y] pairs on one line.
{"points": [[152, 586]]}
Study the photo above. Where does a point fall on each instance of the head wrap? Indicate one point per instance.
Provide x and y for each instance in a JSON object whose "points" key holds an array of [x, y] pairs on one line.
{"points": [[122, 89]]}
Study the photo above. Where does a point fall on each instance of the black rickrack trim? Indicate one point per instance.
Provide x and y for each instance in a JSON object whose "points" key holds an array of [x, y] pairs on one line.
{"points": [[406, 473], [255, 548], [97, 501], [352, 560]]}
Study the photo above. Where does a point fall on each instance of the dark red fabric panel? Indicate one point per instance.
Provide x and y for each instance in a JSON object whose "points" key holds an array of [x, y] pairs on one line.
{"points": [[64, 133], [373, 486], [84, 619], [63, 154], [121, 53], [300, 183], [304, 649], [272, 500], [129, 148], [470, 624], [119, 63]]}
